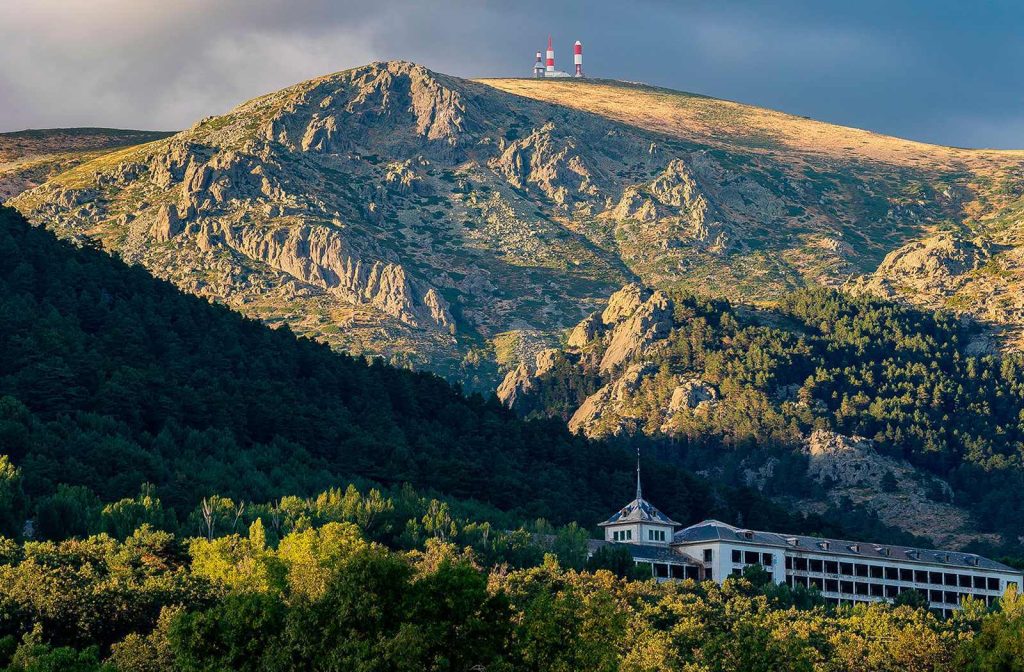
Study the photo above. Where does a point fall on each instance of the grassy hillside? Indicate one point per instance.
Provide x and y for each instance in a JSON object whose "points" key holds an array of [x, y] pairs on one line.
{"points": [[29, 158]]}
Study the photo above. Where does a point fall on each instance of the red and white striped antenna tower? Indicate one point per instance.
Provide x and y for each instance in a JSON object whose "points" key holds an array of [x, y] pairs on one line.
{"points": [[550, 67]]}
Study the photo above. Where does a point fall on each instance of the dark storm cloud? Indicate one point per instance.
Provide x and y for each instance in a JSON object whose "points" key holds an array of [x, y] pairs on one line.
{"points": [[931, 70]]}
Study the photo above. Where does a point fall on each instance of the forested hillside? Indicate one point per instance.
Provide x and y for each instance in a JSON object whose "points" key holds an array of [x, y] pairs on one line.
{"points": [[111, 379], [186, 451], [777, 395]]}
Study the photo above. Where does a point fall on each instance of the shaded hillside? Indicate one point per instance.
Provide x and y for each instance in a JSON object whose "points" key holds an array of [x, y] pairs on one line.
{"points": [[459, 225], [29, 158], [110, 379], [883, 405]]}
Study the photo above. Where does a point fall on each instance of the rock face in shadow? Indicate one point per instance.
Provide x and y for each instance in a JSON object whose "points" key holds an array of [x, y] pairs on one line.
{"points": [[852, 469]]}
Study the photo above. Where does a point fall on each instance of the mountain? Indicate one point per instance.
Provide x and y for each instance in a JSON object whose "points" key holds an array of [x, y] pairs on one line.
{"points": [[823, 400], [461, 226], [29, 158], [112, 379]]}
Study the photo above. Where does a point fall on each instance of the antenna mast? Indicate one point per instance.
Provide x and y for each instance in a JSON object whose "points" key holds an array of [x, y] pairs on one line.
{"points": [[638, 493]]}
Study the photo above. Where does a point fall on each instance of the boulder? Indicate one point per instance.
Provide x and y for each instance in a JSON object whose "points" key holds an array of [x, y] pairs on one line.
{"points": [[167, 223], [691, 394]]}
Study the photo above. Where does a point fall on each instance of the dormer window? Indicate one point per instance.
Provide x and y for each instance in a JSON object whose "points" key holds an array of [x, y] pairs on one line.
{"points": [[823, 545], [792, 541], [855, 548]]}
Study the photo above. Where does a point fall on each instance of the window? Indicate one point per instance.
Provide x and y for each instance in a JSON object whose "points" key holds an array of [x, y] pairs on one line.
{"points": [[935, 577], [737, 557], [846, 587], [800, 564], [979, 581], [831, 585], [629, 534], [891, 591], [708, 555], [876, 571], [861, 588], [993, 583], [876, 589], [656, 535], [615, 536], [892, 574], [831, 567], [935, 596], [920, 576], [906, 575], [767, 559], [949, 579], [816, 565], [751, 557], [846, 568], [789, 562], [861, 570]]}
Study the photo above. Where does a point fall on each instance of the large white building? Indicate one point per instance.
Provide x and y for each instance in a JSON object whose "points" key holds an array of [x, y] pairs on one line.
{"points": [[844, 571]]}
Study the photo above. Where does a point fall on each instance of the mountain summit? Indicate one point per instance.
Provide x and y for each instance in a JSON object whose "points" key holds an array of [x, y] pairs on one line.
{"points": [[457, 224]]}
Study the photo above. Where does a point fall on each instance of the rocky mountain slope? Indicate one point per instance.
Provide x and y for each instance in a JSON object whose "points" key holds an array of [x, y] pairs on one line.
{"points": [[29, 158], [461, 225], [823, 402]]}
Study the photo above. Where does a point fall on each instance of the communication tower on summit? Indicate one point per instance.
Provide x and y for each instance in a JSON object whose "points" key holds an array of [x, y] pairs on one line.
{"points": [[547, 67]]}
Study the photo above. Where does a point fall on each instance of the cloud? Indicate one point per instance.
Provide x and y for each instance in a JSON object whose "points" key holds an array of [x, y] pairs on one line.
{"points": [[905, 68]]}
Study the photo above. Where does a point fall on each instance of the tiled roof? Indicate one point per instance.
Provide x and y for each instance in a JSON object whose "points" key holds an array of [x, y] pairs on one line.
{"points": [[646, 552], [639, 511], [714, 530]]}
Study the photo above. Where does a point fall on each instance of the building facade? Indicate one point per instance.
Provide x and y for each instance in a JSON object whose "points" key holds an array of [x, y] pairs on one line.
{"points": [[846, 572]]}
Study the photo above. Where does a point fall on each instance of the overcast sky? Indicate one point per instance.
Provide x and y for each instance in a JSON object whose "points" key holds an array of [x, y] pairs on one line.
{"points": [[934, 70]]}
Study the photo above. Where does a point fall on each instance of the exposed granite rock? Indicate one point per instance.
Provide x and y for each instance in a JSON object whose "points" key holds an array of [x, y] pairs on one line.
{"points": [[650, 322], [586, 331], [320, 257], [933, 265], [521, 380], [891, 488], [623, 303], [691, 394], [605, 404], [167, 223]]}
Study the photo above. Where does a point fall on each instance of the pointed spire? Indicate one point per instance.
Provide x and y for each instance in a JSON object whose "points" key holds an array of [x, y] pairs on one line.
{"points": [[638, 492]]}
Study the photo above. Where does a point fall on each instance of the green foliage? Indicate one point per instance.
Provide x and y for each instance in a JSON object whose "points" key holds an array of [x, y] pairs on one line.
{"points": [[824, 360], [999, 646], [111, 379], [325, 598]]}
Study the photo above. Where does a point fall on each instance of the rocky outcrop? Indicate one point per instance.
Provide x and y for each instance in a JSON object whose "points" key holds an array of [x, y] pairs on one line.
{"points": [[935, 265], [605, 405], [319, 256], [167, 223], [541, 160], [650, 322], [584, 333], [897, 493], [521, 380], [690, 394], [676, 202], [623, 303]]}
